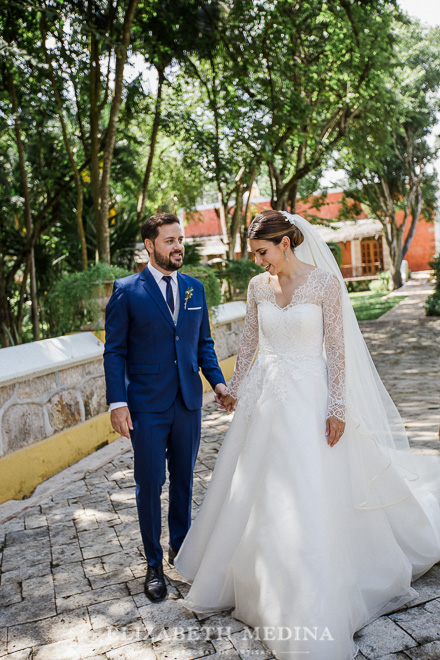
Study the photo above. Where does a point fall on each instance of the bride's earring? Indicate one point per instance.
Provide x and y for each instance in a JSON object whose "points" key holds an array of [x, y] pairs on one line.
{"points": [[287, 258]]}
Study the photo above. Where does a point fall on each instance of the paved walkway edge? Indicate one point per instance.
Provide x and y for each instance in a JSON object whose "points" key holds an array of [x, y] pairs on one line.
{"points": [[73, 473]]}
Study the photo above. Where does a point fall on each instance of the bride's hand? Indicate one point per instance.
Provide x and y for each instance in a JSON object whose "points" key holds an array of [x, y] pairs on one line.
{"points": [[334, 429], [227, 402]]}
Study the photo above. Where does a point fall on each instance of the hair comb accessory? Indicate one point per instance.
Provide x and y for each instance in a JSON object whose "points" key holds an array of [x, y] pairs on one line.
{"points": [[289, 217]]}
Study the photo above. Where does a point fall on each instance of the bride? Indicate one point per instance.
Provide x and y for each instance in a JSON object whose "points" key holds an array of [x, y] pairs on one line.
{"points": [[318, 516]]}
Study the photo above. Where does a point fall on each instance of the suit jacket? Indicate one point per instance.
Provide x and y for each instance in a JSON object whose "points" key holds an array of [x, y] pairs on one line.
{"points": [[146, 355]]}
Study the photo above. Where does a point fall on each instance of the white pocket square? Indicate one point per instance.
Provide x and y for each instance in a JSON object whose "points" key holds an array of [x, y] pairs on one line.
{"points": [[190, 308]]}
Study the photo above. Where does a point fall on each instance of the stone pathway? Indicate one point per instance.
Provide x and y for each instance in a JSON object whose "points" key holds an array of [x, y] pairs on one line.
{"points": [[405, 345], [72, 570]]}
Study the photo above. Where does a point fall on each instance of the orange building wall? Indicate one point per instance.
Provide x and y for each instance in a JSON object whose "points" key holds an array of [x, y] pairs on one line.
{"points": [[422, 248], [346, 253], [202, 223], [420, 253], [328, 211]]}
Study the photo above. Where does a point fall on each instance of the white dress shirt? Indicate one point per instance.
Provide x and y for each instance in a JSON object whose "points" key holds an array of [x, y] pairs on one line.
{"points": [[158, 276]]}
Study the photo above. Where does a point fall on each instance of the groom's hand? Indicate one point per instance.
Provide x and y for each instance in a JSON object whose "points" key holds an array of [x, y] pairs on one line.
{"points": [[121, 419], [224, 399], [220, 390], [228, 402]]}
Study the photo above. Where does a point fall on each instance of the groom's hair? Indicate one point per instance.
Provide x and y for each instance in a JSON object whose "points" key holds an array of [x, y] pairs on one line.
{"points": [[150, 228]]}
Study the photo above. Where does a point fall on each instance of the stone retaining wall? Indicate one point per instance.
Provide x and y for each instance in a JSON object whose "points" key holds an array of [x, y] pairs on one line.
{"points": [[53, 384], [227, 326], [36, 408], [227, 337]]}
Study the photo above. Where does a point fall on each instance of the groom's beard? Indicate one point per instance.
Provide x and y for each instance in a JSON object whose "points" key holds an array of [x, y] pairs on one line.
{"points": [[170, 262]]}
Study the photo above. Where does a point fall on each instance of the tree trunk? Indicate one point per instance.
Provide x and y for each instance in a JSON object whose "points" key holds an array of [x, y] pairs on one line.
{"points": [[243, 228], [396, 275], [415, 213], [94, 82], [293, 191], [27, 207], [80, 224], [4, 312], [121, 57], [22, 294], [76, 173], [396, 258], [236, 219], [153, 139], [243, 240], [281, 204], [223, 212]]}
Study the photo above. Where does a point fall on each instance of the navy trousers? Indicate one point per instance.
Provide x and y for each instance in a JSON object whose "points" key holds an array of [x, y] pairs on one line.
{"points": [[171, 437]]}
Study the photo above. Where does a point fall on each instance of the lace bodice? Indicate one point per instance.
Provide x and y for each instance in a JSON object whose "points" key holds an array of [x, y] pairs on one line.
{"points": [[302, 335]]}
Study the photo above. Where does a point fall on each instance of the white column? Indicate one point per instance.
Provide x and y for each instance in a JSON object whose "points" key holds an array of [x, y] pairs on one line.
{"points": [[386, 254], [356, 259]]}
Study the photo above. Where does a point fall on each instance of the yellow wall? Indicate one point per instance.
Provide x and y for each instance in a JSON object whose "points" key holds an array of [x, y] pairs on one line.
{"points": [[23, 470]]}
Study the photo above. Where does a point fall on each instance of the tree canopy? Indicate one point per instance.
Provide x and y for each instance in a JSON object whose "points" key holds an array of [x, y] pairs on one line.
{"points": [[111, 110]]}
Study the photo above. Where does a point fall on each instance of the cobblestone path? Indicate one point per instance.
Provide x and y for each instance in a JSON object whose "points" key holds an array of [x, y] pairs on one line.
{"points": [[72, 570]]}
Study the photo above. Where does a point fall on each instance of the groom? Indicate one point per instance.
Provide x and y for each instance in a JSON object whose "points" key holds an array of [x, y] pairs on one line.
{"points": [[157, 337]]}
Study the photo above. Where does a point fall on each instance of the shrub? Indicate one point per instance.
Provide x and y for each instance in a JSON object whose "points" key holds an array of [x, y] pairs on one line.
{"points": [[381, 285], [432, 304], [356, 286], [336, 251], [209, 281], [73, 301], [237, 274], [435, 265], [193, 255]]}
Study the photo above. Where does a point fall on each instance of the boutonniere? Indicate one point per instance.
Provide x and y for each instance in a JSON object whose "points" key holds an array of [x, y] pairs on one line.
{"points": [[188, 295]]}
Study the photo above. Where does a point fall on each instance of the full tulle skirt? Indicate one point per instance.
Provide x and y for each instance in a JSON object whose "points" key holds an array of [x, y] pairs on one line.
{"points": [[283, 539]]}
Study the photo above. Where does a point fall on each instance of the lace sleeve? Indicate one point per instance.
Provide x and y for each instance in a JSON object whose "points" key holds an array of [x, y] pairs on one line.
{"points": [[334, 347], [248, 343]]}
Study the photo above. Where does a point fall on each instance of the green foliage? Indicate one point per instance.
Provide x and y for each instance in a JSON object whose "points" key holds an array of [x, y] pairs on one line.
{"points": [[336, 251], [382, 284], [435, 265], [237, 274], [390, 159], [193, 256], [432, 304], [209, 281], [358, 286], [370, 306], [72, 302], [251, 91]]}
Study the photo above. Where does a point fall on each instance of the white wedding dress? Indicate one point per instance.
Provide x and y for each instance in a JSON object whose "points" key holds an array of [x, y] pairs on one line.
{"points": [[280, 536]]}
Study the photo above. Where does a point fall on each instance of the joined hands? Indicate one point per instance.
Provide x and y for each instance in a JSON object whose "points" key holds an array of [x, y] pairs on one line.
{"points": [[225, 400]]}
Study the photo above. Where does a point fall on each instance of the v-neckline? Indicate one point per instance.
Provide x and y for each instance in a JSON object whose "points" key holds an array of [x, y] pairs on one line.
{"points": [[289, 304]]}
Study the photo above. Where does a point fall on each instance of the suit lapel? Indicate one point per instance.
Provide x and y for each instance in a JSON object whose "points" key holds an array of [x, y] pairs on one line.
{"points": [[152, 288]]}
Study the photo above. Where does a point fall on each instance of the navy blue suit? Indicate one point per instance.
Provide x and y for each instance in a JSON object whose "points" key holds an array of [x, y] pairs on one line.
{"points": [[153, 364]]}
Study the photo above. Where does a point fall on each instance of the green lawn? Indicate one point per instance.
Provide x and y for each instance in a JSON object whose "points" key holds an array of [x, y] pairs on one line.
{"points": [[368, 306]]}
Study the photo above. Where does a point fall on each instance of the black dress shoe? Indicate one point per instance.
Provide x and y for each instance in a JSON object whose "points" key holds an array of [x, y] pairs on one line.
{"points": [[171, 555], [155, 587]]}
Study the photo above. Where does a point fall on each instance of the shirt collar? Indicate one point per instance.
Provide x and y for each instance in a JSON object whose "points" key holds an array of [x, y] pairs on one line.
{"points": [[158, 275]]}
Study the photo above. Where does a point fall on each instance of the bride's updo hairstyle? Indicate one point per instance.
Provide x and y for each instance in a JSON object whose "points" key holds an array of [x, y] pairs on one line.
{"points": [[272, 226]]}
